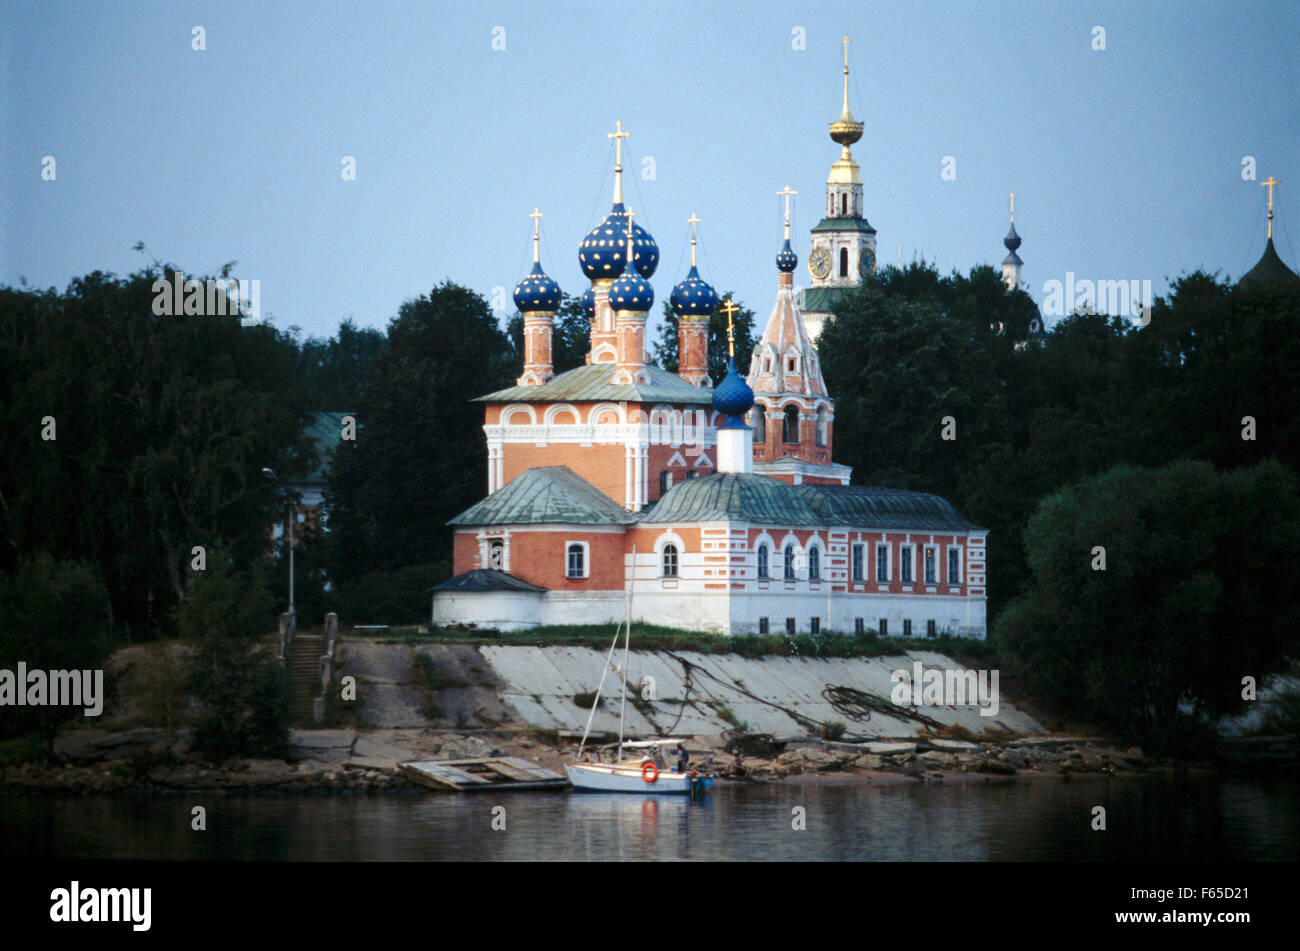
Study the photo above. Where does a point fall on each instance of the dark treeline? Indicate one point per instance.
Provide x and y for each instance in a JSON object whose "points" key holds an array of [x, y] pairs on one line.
{"points": [[1084, 440]]}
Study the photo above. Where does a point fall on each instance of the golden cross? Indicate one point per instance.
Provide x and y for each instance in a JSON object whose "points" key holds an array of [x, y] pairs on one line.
{"points": [[730, 309], [536, 216], [1013, 208], [693, 220], [1269, 183], [618, 136], [787, 192], [845, 43]]}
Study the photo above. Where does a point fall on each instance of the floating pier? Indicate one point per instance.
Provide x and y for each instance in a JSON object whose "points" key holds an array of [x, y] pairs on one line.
{"points": [[474, 775]]}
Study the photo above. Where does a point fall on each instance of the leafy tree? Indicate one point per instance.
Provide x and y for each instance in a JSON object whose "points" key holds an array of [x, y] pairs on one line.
{"points": [[1194, 593], [419, 458], [162, 426], [664, 350], [334, 369], [55, 617], [244, 689]]}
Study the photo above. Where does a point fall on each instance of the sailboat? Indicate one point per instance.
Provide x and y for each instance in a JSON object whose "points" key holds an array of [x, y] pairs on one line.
{"points": [[639, 772]]}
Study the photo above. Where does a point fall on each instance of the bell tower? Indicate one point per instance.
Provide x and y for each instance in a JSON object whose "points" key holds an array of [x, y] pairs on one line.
{"points": [[843, 242]]}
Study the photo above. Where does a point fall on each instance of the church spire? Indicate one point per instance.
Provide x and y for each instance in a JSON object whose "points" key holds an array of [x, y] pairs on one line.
{"points": [[1011, 264], [1270, 269]]}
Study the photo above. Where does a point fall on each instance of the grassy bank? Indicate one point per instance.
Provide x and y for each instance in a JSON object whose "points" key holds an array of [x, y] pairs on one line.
{"points": [[651, 637]]}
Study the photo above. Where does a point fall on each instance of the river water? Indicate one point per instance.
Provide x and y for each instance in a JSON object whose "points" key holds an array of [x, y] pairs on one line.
{"points": [[1147, 818]]}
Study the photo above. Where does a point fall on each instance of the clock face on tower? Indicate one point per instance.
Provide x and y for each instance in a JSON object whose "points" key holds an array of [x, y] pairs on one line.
{"points": [[819, 263], [866, 262]]}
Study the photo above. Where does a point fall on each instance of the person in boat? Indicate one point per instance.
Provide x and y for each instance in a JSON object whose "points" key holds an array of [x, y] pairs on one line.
{"points": [[683, 758]]}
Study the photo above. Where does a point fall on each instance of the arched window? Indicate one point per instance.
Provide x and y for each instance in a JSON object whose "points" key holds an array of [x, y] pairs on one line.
{"points": [[814, 564], [665, 482], [577, 560], [762, 561], [758, 419], [789, 562], [670, 561], [844, 204], [844, 262], [497, 554], [821, 426], [790, 424]]}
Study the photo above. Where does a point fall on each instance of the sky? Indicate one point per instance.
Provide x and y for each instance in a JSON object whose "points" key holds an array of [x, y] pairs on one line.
{"points": [[1127, 161]]}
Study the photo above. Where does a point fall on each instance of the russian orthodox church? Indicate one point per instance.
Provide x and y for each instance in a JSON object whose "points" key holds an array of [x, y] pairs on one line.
{"points": [[715, 509], [1270, 269]]}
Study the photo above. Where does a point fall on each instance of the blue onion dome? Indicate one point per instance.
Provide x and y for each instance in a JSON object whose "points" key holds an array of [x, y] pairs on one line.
{"points": [[631, 292], [786, 259], [604, 250], [537, 292], [733, 397], [1012, 240], [694, 297], [588, 302]]}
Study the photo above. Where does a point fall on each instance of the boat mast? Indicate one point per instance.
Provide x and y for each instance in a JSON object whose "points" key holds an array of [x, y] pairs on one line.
{"points": [[627, 639]]}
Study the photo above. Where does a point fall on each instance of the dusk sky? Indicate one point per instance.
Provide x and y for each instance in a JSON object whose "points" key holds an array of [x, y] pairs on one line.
{"points": [[1127, 162]]}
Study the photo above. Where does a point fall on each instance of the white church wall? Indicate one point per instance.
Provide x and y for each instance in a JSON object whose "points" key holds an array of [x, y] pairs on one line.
{"points": [[498, 610]]}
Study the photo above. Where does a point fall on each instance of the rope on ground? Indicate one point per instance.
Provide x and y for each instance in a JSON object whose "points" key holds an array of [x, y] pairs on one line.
{"points": [[859, 705]]}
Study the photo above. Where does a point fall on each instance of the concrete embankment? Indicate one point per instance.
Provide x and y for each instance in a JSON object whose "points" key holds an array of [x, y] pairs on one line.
{"points": [[676, 692]]}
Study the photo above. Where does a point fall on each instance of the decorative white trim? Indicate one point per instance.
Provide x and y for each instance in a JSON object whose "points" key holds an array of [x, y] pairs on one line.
{"points": [[508, 413], [556, 409]]}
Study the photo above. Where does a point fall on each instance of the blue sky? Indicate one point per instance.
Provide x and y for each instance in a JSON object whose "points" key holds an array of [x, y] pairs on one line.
{"points": [[1127, 162]]}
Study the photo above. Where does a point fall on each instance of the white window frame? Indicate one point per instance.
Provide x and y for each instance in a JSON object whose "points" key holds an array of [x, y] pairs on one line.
{"points": [[924, 551], [889, 563], [586, 560], [961, 565], [858, 556], [906, 561]]}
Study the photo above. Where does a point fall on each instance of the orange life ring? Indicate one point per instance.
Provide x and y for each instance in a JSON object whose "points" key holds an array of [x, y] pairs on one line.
{"points": [[649, 771]]}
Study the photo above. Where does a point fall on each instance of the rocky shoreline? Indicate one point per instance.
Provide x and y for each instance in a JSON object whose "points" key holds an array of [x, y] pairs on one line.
{"points": [[341, 761]]}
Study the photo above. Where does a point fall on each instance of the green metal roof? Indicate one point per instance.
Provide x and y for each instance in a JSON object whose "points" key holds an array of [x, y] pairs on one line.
{"points": [[869, 506], [733, 496], [486, 579], [822, 300], [592, 384], [844, 224], [325, 432], [549, 495]]}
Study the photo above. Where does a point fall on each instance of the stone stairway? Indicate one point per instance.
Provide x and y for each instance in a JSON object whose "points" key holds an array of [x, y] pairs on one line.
{"points": [[303, 664]]}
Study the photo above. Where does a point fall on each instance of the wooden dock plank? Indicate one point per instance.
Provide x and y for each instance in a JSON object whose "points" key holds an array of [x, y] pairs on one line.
{"points": [[467, 775]]}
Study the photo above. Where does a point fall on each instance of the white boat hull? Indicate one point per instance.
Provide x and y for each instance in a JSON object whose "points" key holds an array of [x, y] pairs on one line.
{"points": [[628, 778]]}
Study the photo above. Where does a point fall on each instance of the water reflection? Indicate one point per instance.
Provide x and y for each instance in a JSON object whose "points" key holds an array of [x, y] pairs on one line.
{"points": [[1151, 818]]}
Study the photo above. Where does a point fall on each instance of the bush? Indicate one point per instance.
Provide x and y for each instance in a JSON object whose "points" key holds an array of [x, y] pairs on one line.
{"points": [[391, 597]]}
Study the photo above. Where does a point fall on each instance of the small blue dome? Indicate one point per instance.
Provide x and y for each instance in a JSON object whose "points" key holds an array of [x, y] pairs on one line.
{"points": [[733, 397], [537, 292], [631, 292], [694, 297], [589, 303], [786, 259], [603, 251]]}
